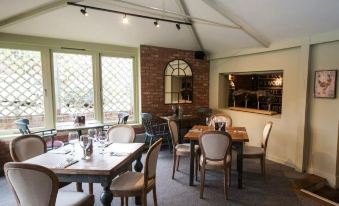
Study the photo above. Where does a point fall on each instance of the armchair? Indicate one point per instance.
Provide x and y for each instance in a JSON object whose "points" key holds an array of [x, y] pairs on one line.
{"points": [[154, 130]]}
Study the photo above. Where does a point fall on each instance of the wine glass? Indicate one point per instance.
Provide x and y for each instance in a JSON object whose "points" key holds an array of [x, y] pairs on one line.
{"points": [[102, 137], [84, 143], [73, 137]]}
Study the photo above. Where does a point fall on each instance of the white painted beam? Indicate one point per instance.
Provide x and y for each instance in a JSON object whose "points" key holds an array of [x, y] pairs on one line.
{"points": [[163, 11], [183, 8], [238, 21], [45, 8]]}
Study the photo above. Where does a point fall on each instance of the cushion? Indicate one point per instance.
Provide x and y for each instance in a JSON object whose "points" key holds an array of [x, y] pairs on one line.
{"points": [[251, 150], [215, 164], [185, 148], [129, 181], [74, 199]]}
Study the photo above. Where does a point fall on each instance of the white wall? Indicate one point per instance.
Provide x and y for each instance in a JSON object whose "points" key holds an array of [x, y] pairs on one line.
{"points": [[283, 139], [286, 140], [324, 116]]}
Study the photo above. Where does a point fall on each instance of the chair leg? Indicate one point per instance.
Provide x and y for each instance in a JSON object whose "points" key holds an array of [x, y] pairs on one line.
{"points": [[196, 166], [229, 175], [79, 187], [262, 161], [226, 173], [126, 201], [144, 198], [174, 163], [122, 201], [202, 182], [90, 188], [155, 196], [178, 162]]}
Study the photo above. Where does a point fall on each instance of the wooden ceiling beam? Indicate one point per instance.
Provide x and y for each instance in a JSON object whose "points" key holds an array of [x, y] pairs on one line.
{"points": [[238, 21], [35, 12]]}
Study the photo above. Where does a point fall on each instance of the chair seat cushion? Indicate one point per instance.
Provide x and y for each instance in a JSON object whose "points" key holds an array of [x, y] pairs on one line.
{"points": [[74, 199], [129, 182], [185, 148], [252, 150], [215, 164]]}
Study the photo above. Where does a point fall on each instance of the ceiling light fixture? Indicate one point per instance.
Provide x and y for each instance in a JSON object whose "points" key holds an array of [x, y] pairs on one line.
{"points": [[156, 24], [124, 19], [178, 26], [84, 12]]}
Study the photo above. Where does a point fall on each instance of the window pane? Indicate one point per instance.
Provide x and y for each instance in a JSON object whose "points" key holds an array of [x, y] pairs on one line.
{"points": [[21, 88], [73, 77], [117, 86]]}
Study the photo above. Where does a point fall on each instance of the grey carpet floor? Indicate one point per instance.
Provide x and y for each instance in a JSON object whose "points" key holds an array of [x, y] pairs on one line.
{"points": [[275, 189]]}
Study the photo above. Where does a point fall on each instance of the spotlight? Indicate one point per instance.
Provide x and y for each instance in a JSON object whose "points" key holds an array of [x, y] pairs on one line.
{"points": [[84, 12], [124, 19], [178, 26], [156, 24]]}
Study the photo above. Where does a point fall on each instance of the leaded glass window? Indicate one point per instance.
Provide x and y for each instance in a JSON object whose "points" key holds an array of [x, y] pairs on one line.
{"points": [[73, 79], [117, 87], [21, 88]]}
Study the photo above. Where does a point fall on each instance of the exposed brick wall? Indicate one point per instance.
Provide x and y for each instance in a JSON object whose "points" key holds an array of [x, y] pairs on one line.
{"points": [[153, 61]]}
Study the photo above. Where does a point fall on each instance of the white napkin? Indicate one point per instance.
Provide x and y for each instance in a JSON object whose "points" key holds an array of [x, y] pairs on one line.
{"points": [[61, 150], [120, 153], [195, 130], [67, 163]]}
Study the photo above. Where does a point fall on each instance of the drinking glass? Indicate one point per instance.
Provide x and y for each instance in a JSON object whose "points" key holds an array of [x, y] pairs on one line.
{"points": [[207, 121], [102, 137], [73, 138], [84, 143]]}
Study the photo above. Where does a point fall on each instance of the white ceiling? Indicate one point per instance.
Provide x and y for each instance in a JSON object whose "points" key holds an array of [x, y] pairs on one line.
{"points": [[275, 20]]}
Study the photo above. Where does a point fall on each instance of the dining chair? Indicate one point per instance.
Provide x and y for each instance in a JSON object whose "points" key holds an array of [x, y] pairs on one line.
{"points": [[216, 155], [181, 150], [154, 130], [122, 117], [203, 113], [22, 125], [221, 118], [26, 146], [121, 134], [136, 183], [253, 152], [35, 185]]}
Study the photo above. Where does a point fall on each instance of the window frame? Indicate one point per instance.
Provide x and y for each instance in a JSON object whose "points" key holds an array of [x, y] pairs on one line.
{"points": [[46, 47]]}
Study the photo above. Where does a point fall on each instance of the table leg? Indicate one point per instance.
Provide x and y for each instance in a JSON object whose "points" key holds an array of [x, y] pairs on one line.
{"points": [[240, 147], [192, 143], [138, 168], [106, 196], [79, 187]]}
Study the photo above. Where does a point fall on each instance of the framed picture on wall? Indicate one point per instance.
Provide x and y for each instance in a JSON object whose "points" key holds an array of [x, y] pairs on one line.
{"points": [[325, 83]]}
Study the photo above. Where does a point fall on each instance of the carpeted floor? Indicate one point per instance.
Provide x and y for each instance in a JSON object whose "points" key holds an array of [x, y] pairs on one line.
{"points": [[274, 190]]}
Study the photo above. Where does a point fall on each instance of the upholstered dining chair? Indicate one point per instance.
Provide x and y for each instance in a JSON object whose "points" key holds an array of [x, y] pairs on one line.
{"points": [[259, 152], [26, 146], [136, 183], [36, 185], [180, 150], [121, 134], [216, 155], [221, 118]]}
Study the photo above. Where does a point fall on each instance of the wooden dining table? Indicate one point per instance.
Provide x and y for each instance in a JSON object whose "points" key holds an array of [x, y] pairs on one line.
{"points": [[98, 168], [239, 137]]}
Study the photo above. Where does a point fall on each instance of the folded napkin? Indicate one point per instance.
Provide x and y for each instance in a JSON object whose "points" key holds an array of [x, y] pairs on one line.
{"points": [[120, 153], [195, 130], [67, 163], [61, 150], [108, 144]]}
